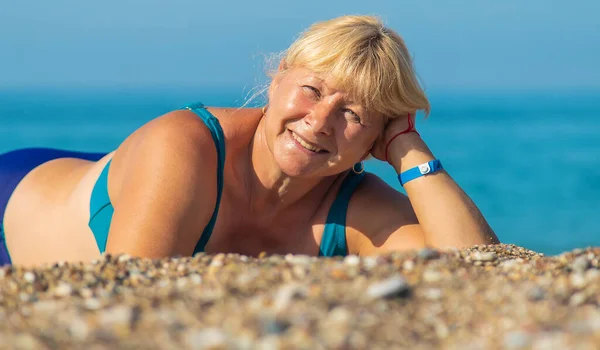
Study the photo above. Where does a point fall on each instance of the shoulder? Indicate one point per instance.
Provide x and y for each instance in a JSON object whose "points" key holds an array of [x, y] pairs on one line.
{"points": [[176, 131], [380, 218], [179, 127], [185, 134], [177, 143], [163, 186]]}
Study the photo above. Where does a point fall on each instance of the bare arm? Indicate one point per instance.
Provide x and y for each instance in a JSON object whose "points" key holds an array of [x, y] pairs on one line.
{"points": [[381, 219], [447, 216], [437, 213], [163, 182]]}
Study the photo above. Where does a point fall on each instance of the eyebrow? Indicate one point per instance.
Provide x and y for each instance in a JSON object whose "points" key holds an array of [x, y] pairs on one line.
{"points": [[349, 102], [313, 76]]}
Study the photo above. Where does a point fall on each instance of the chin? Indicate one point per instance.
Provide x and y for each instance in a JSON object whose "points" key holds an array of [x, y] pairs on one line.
{"points": [[292, 166], [293, 169]]}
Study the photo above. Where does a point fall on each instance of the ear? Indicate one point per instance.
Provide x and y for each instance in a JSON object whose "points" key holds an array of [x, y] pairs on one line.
{"points": [[282, 65]]}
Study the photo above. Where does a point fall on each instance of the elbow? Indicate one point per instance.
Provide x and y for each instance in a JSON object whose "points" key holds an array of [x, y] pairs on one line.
{"points": [[460, 241]]}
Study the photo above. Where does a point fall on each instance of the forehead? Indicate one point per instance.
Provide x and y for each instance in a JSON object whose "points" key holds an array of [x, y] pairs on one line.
{"points": [[333, 83], [305, 73]]}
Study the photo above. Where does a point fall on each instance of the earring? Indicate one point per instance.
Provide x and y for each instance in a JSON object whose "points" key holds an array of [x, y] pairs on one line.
{"points": [[264, 109], [361, 168]]}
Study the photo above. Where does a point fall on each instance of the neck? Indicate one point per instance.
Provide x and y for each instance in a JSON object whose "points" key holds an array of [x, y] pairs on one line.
{"points": [[270, 189]]}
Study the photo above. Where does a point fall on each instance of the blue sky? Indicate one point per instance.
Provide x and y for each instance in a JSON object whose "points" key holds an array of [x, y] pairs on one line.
{"points": [[472, 44]]}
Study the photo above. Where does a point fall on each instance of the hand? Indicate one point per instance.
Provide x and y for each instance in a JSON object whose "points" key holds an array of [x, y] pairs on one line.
{"points": [[393, 128]]}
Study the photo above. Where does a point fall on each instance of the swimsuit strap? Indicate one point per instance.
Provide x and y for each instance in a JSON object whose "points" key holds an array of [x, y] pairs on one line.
{"points": [[219, 138], [333, 242]]}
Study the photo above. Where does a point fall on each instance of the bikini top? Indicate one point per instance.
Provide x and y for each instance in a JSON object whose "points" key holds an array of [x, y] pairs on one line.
{"points": [[333, 242]]}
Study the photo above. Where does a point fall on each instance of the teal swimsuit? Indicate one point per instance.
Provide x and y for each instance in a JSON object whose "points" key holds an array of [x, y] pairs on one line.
{"points": [[333, 242], [101, 209]]}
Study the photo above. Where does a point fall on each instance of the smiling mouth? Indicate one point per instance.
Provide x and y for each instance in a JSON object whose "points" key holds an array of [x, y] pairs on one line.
{"points": [[307, 145]]}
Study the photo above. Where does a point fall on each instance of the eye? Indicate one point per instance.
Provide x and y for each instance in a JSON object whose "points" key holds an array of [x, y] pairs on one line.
{"points": [[352, 116], [312, 90]]}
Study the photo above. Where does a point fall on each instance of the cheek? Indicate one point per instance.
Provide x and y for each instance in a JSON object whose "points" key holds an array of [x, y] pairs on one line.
{"points": [[281, 90], [278, 102], [287, 108], [353, 141]]}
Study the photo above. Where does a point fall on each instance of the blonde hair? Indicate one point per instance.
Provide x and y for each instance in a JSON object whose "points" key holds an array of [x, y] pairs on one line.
{"points": [[366, 59]]}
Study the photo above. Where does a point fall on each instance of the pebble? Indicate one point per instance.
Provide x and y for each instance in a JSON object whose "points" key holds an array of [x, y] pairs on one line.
{"points": [[92, 304], [495, 296], [352, 260], [408, 265], [510, 264], [26, 342], [578, 280], [536, 293], [270, 342], [123, 258], [85, 292], [195, 279], [340, 315], [78, 329], [428, 253], [63, 289], [208, 338], [580, 264], [120, 314], [299, 259], [431, 275], [29, 276], [577, 299], [433, 293], [592, 275], [216, 263], [285, 294], [369, 262], [391, 287], [486, 256], [274, 326], [517, 340]]}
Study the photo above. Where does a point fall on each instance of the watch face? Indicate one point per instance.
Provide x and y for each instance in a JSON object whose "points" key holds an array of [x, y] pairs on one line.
{"points": [[424, 168]]}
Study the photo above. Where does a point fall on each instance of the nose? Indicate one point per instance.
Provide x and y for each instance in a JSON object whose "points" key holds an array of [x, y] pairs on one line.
{"points": [[321, 118]]}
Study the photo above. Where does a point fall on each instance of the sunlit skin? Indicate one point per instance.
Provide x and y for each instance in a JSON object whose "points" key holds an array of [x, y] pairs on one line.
{"points": [[277, 192], [310, 107]]}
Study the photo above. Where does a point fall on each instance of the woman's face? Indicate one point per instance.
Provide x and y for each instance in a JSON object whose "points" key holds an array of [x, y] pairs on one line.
{"points": [[313, 128]]}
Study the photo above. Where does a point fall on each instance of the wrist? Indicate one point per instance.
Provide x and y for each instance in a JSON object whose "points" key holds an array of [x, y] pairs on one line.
{"points": [[409, 129], [423, 169], [407, 152]]}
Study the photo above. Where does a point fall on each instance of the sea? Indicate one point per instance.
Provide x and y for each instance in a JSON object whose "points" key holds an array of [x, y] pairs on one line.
{"points": [[530, 160]]}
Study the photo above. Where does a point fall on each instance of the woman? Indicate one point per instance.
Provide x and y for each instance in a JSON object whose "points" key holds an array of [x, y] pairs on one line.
{"points": [[286, 178]]}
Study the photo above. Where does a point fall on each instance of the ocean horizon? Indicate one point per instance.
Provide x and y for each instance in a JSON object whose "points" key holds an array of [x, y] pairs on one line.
{"points": [[528, 159]]}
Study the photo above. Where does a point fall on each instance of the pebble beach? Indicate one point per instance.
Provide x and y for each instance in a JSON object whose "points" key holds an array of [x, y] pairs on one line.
{"points": [[483, 297]]}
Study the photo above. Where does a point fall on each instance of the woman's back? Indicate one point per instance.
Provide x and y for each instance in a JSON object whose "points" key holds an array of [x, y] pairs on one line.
{"points": [[50, 214]]}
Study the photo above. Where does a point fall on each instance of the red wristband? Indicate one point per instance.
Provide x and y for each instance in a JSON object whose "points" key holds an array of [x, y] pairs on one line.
{"points": [[411, 128]]}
